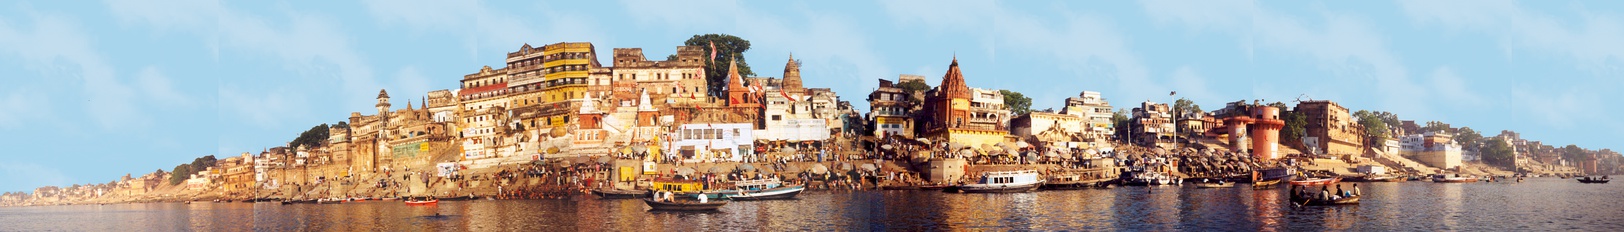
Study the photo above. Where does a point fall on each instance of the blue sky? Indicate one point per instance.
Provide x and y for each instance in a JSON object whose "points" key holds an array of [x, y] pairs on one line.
{"points": [[94, 90]]}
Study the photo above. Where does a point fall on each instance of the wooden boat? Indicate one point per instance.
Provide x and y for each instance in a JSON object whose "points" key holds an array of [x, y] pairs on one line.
{"points": [[1266, 184], [1456, 179], [1003, 182], [1316, 181], [781, 192], [1340, 201], [1140, 176], [684, 205], [1594, 180], [619, 193], [422, 202], [1215, 184], [1372, 178], [1067, 182], [328, 201]]}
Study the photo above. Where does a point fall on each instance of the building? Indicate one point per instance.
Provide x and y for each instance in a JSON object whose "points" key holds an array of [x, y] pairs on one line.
{"points": [[730, 142], [1095, 113], [1152, 125], [1331, 129], [955, 113], [680, 77], [890, 111], [1436, 149], [482, 103], [1251, 128]]}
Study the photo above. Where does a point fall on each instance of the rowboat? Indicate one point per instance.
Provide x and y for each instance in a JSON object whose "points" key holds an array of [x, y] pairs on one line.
{"points": [[1265, 184], [1316, 181], [684, 205], [1594, 180], [422, 202], [1339, 201], [1215, 184]]}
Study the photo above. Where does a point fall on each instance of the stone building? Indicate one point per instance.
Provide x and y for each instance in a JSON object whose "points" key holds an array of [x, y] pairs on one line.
{"points": [[1331, 129], [1152, 125], [955, 113], [483, 104], [1436, 149], [890, 111]]}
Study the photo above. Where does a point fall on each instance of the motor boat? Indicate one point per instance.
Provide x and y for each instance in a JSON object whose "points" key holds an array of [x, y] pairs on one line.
{"points": [[1003, 182]]}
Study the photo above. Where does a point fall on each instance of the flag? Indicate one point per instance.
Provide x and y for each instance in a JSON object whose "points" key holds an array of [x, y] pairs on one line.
{"points": [[1172, 93], [786, 95], [713, 50]]}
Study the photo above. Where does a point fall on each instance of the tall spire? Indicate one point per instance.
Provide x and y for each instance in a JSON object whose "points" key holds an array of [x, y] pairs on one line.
{"points": [[792, 76], [734, 81], [953, 82]]}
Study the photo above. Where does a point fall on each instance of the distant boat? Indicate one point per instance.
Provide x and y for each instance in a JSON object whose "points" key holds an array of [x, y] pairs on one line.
{"points": [[1003, 182], [1140, 176], [1314, 199], [1456, 179], [1594, 180], [619, 193], [684, 205]]}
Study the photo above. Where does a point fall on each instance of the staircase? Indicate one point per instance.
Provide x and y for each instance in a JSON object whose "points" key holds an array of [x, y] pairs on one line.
{"points": [[1394, 160]]}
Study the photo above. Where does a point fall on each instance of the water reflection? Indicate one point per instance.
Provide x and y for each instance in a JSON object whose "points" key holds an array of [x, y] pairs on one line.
{"points": [[1538, 205]]}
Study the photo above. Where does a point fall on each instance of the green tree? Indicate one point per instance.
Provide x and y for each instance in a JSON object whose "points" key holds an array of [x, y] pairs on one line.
{"points": [[1575, 153], [914, 88], [1375, 128], [180, 173], [1119, 120], [342, 124], [1184, 106], [1468, 138], [312, 138], [727, 48], [1017, 103], [1436, 126], [1496, 152]]}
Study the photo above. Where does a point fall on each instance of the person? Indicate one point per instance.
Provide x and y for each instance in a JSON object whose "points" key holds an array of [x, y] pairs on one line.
{"points": [[1325, 193], [1356, 190], [1339, 191], [702, 198]]}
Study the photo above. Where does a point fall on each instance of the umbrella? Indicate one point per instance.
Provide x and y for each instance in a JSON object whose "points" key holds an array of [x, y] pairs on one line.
{"points": [[717, 169], [989, 148], [639, 149], [819, 169], [685, 171], [887, 146], [869, 167], [604, 160], [765, 169], [791, 169], [747, 167], [1159, 151], [845, 167], [924, 140], [1022, 144], [967, 153], [1051, 153]]}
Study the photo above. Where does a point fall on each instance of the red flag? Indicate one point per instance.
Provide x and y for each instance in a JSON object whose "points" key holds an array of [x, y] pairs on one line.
{"points": [[713, 50], [786, 95]]}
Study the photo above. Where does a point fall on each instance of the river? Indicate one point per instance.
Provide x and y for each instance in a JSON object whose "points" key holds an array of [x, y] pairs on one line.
{"points": [[1541, 204]]}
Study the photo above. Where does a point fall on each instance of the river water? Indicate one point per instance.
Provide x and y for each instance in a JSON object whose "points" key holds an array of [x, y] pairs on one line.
{"points": [[1541, 204]]}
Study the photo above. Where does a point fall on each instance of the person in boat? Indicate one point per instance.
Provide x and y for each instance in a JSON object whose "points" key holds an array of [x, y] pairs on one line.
{"points": [[1356, 190], [702, 198], [1325, 193]]}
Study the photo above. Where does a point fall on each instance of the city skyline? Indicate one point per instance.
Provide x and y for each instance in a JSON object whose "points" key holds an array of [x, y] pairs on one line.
{"points": [[152, 86]]}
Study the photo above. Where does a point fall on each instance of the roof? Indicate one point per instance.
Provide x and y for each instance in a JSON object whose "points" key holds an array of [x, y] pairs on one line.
{"points": [[383, 94]]}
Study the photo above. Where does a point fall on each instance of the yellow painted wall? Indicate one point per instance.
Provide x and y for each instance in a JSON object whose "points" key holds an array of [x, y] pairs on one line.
{"points": [[975, 138]]}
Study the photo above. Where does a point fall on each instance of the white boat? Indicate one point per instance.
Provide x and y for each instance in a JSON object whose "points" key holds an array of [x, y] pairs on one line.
{"points": [[1140, 176], [1003, 182]]}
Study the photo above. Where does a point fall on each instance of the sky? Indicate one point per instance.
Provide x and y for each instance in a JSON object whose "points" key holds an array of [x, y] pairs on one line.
{"points": [[91, 91]]}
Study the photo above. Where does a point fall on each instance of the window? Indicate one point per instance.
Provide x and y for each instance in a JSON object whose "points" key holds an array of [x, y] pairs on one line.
{"points": [[777, 117]]}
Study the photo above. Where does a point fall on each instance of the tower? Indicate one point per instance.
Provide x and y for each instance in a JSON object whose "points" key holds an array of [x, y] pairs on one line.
{"points": [[1266, 132], [792, 77], [737, 95]]}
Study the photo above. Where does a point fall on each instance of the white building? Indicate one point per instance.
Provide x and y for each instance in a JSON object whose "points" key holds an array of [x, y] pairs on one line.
{"points": [[1095, 113], [714, 142], [1434, 149]]}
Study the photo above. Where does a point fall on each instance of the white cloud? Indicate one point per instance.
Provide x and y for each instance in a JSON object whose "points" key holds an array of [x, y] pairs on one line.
{"points": [[1560, 108], [1451, 88], [21, 107], [1190, 84], [159, 87], [1591, 38], [17, 174], [486, 27], [1090, 47], [1344, 45], [55, 47], [265, 108]]}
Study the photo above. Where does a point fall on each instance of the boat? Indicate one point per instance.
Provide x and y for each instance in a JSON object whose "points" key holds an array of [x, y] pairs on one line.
{"points": [[420, 202], [1373, 178], [684, 205], [1456, 179], [1266, 184], [1594, 180], [1003, 182], [780, 192], [1066, 182], [1215, 184], [619, 193], [1339, 201], [682, 188], [1316, 181], [1139, 176], [328, 201]]}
